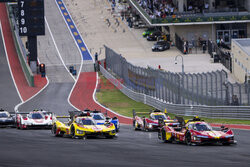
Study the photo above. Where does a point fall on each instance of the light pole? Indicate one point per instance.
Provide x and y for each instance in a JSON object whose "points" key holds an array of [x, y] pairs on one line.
{"points": [[182, 66]]}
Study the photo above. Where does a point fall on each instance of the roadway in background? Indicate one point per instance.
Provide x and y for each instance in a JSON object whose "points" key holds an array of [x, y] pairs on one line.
{"points": [[8, 93], [57, 50]]}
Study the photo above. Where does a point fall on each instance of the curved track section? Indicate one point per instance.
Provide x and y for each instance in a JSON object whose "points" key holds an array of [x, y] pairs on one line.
{"points": [[57, 50], [8, 93], [131, 148]]}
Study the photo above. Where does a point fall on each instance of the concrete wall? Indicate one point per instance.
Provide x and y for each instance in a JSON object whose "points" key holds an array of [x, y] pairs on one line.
{"points": [[189, 31], [240, 62]]}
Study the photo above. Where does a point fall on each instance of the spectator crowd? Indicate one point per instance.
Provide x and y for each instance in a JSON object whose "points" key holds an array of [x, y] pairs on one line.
{"points": [[158, 8]]}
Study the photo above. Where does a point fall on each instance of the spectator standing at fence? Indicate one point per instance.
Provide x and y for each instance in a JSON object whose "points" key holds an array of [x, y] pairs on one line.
{"points": [[204, 47], [184, 47], [218, 42], [193, 42], [235, 100], [187, 46], [96, 56]]}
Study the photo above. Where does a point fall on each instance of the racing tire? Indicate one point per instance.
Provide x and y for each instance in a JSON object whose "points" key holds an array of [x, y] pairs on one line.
{"points": [[226, 144], [21, 126], [136, 126], [72, 131], [163, 135], [53, 131], [17, 125], [188, 139]]}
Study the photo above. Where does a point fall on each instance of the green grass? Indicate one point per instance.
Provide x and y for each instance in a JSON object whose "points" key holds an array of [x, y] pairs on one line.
{"points": [[114, 99]]}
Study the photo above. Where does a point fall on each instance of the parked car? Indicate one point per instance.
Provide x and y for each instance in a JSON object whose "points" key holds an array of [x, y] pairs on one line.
{"points": [[154, 36], [161, 46], [148, 31]]}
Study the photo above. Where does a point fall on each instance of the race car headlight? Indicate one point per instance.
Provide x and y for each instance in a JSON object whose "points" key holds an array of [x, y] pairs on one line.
{"points": [[79, 131], [196, 138], [150, 125]]}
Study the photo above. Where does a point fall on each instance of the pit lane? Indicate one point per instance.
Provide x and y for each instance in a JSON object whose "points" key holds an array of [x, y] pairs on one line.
{"points": [[130, 148]]}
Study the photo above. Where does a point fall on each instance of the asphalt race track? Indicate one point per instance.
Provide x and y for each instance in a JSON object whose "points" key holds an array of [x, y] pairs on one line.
{"points": [[130, 148], [9, 98], [56, 49]]}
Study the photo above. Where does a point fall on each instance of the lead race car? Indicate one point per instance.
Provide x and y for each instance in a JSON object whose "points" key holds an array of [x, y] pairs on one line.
{"points": [[196, 132], [34, 119], [7, 119], [81, 124], [101, 119], [151, 123]]}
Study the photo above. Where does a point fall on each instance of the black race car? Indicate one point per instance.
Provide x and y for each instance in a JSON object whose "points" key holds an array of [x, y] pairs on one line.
{"points": [[161, 46], [154, 36], [7, 119]]}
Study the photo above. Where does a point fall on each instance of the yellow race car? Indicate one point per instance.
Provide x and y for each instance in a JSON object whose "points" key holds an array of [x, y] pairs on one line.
{"points": [[81, 125]]}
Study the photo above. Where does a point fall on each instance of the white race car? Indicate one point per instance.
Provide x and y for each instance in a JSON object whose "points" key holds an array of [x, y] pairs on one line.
{"points": [[34, 119]]}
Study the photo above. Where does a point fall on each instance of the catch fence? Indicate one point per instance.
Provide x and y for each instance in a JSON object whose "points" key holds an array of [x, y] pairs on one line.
{"points": [[212, 88]]}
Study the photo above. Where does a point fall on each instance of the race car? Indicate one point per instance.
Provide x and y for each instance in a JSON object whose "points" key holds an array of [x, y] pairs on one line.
{"points": [[7, 119], [34, 119], [101, 119], [151, 123], [195, 132], [81, 125]]}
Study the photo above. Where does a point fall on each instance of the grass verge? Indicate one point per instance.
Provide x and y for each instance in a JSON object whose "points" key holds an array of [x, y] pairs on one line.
{"points": [[111, 97]]}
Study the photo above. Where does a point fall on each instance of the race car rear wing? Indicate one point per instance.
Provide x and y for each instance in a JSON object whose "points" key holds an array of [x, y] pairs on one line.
{"points": [[62, 116], [140, 113], [180, 120]]}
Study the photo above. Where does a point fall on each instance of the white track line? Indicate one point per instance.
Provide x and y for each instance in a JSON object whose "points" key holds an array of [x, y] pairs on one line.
{"points": [[17, 106], [9, 63], [80, 54], [93, 96], [59, 54], [101, 104], [22, 101]]}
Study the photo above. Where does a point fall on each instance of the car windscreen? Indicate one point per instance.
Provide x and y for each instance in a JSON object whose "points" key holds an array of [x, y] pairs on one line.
{"points": [[98, 117], [87, 122], [36, 116], [3, 115], [202, 127], [160, 116]]}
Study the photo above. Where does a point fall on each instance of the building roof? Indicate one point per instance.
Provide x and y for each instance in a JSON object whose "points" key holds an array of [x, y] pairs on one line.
{"points": [[244, 44]]}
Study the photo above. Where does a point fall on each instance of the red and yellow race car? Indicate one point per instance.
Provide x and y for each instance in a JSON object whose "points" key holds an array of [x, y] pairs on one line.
{"points": [[195, 132], [152, 122]]}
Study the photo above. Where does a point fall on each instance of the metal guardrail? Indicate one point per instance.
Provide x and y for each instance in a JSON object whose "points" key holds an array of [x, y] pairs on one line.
{"points": [[228, 112], [21, 52], [184, 19]]}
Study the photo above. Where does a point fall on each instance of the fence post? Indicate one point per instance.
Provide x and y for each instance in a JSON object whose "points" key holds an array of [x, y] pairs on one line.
{"points": [[206, 89], [248, 93], [201, 94], [216, 88], [187, 88]]}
